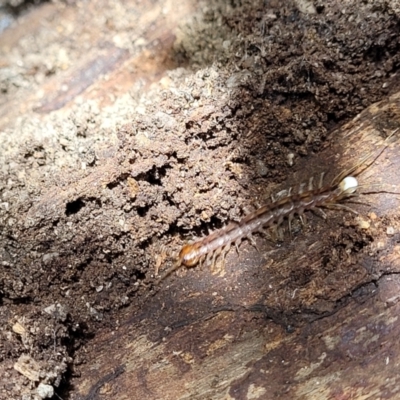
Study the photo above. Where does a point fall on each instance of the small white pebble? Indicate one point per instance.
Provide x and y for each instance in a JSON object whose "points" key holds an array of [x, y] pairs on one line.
{"points": [[349, 184], [390, 230], [45, 391], [290, 158], [362, 223]]}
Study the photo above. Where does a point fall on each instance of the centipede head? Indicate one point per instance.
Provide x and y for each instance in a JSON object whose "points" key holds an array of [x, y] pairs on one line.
{"points": [[188, 255]]}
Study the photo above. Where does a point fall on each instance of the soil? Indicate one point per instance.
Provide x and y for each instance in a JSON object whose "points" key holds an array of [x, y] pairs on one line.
{"points": [[122, 140]]}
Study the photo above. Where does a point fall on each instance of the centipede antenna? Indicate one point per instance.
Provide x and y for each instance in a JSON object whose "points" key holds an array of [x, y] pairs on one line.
{"points": [[371, 186], [169, 271], [354, 168], [363, 161]]}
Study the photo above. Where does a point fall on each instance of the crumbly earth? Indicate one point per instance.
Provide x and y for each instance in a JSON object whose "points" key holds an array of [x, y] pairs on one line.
{"points": [[99, 185]]}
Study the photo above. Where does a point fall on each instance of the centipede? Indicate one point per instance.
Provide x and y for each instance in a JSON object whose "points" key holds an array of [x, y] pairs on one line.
{"points": [[307, 197]]}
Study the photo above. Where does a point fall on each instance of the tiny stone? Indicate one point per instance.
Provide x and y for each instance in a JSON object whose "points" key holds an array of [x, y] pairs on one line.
{"points": [[363, 224], [372, 215], [45, 391], [18, 328], [57, 311], [262, 169], [390, 230], [290, 158]]}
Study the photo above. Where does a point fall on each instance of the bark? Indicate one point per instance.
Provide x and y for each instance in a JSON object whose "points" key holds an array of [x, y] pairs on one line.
{"points": [[126, 128], [267, 327]]}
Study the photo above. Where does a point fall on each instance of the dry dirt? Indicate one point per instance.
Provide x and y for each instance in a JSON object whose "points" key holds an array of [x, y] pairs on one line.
{"points": [[126, 130]]}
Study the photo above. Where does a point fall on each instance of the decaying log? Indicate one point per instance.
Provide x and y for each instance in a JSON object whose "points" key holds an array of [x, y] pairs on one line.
{"points": [[316, 318], [128, 127]]}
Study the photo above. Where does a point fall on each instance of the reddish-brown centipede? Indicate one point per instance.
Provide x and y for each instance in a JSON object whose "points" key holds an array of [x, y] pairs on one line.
{"points": [[272, 216]]}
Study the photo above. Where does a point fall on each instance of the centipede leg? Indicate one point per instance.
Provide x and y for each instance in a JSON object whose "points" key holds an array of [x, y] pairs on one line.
{"points": [[274, 233], [202, 259], [216, 253], [237, 242], [319, 212], [310, 183], [290, 218], [301, 188], [225, 251], [303, 218], [252, 241], [208, 259], [341, 207], [321, 180], [363, 203]]}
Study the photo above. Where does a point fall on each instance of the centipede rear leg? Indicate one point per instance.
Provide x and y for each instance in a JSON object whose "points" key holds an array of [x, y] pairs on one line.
{"points": [[320, 212], [341, 207]]}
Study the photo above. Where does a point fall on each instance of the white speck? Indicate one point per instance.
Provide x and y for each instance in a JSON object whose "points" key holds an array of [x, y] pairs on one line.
{"points": [[45, 391], [387, 360], [390, 230], [349, 184], [290, 158]]}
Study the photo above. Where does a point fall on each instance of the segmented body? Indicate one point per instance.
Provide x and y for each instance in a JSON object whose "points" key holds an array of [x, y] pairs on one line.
{"points": [[275, 213], [270, 216]]}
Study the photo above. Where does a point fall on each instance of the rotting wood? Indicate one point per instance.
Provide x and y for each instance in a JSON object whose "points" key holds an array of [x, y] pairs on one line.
{"points": [[206, 336], [315, 317]]}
